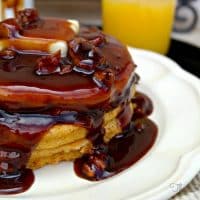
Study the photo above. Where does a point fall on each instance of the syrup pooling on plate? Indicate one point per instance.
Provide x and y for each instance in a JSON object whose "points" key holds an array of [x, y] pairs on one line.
{"points": [[120, 153], [20, 133], [136, 138], [69, 77]]}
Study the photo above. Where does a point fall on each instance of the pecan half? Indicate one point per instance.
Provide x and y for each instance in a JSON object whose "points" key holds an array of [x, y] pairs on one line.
{"points": [[104, 79], [48, 64], [85, 56], [26, 17]]}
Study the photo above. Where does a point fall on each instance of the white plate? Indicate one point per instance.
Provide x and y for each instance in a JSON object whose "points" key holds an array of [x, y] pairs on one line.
{"points": [[171, 163]]}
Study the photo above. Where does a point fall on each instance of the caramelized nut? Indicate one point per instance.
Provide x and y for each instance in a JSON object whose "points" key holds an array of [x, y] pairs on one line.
{"points": [[66, 69], [99, 163], [53, 64], [48, 64], [86, 57], [99, 40], [95, 164], [26, 17], [104, 79], [87, 171]]}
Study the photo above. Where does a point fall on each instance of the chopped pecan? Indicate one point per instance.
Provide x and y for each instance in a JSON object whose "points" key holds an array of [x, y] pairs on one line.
{"points": [[79, 48], [95, 36], [53, 64], [98, 41], [104, 79], [66, 69], [98, 162], [48, 64], [26, 17], [94, 166], [87, 170], [85, 56], [66, 66]]}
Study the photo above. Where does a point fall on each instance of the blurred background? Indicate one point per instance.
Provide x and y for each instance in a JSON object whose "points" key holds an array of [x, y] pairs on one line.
{"points": [[87, 11], [144, 24]]}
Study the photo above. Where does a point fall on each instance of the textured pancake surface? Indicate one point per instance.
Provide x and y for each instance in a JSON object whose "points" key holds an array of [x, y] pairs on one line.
{"points": [[65, 142]]}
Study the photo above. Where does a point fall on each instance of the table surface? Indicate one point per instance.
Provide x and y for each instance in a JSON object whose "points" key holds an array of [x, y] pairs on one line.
{"points": [[191, 192], [89, 12]]}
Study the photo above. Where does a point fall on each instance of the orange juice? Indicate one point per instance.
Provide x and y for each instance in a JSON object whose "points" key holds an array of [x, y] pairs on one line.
{"points": [[144, 24]]}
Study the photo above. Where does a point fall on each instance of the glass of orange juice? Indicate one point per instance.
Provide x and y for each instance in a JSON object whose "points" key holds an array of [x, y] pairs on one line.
{"points": [[143, 24]]}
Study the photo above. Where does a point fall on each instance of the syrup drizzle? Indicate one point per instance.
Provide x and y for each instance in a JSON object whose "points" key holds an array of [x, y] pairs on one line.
{"points": [[95, 77], [120, 153], [20, 133], [137, 137]]}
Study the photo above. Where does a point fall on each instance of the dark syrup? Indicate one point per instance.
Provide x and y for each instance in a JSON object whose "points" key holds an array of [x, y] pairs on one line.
{"points": [[94, 78], [137, 137], [17, 182], [23, 132], [120, 153], [20, 133]]}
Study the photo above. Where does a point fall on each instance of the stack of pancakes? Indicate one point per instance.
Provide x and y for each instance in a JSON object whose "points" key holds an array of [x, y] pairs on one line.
{"points": [[51, 63], [68, 142]]}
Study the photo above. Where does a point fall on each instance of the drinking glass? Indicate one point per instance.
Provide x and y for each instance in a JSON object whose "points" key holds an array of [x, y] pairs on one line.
{"points": [[144, 24]]}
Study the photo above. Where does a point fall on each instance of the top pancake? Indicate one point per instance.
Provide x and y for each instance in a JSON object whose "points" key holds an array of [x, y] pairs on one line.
{"points": [[93, 69]]}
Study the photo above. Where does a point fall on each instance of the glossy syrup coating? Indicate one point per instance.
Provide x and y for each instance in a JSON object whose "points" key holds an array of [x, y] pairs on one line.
{"points": [[39, 89], [20, 133], [123, 150], [95, 70]]}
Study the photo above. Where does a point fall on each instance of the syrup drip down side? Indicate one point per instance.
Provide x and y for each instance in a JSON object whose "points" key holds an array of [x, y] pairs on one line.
{"points": [[137, 137], [53, 72], [104, 159]]}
